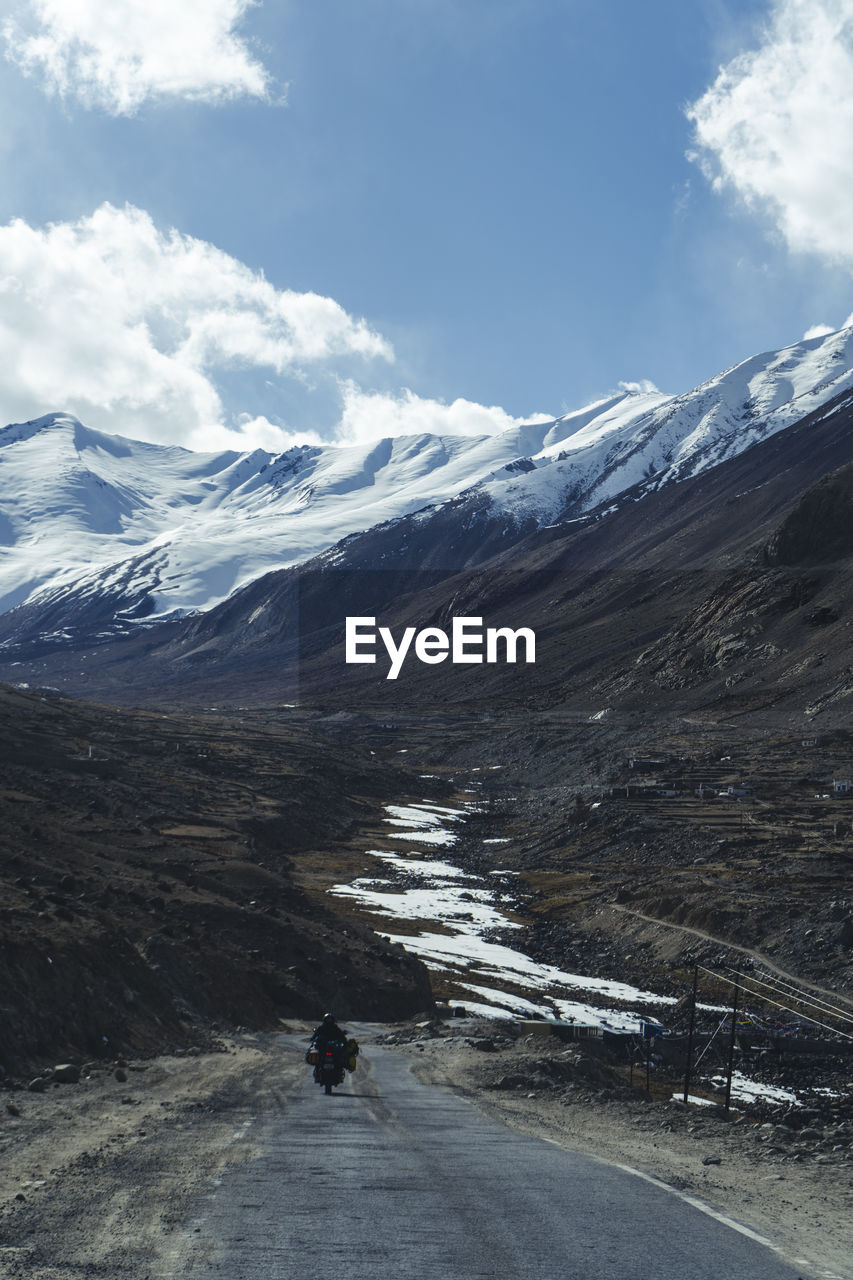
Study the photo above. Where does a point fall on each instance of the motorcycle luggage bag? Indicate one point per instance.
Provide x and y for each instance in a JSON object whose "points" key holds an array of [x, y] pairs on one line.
{"points": [[352, 1054], [312, 1057]]}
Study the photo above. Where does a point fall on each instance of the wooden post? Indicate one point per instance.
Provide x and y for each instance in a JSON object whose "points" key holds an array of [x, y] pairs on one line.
{"points": [[690, 1034]]}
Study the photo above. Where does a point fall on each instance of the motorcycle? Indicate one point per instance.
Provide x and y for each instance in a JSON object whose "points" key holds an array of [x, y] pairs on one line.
{"points": [[329, 1062]]}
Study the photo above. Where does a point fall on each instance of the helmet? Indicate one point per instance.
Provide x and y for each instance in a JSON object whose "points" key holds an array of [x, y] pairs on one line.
{"points": [[328, 1017]]}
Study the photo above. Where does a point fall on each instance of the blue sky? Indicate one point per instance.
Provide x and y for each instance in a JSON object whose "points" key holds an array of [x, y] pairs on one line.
{"points": [[464, 211]]}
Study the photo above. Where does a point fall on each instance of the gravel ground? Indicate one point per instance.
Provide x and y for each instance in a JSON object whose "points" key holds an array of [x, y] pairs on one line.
{"points": [[97, 1178]]}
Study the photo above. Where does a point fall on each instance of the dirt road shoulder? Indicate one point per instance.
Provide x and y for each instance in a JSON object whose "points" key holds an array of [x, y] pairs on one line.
{"points": [[98, 1177]]}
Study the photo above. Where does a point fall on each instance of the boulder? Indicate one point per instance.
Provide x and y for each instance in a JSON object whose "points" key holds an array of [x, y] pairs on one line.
{"points": [[67, 1073]]}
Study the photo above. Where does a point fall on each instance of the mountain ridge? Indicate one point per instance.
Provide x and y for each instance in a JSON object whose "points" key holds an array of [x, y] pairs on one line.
{"points": [[155, 532], [672, 602]]}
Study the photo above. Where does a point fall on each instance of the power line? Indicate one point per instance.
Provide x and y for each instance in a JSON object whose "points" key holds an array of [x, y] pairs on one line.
{"points": [[718, 1029], [813, 1002], [783, 988], [782, 982], [785, 1007], [803, 1017]]}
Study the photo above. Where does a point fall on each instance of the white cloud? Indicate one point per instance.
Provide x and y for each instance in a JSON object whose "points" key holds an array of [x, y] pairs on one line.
{"points": [[117, 54], [644, 387], [821, 330], [372, 415], [253, 432], [133, 330], [777, 125], [817, 331], [140, 332]]}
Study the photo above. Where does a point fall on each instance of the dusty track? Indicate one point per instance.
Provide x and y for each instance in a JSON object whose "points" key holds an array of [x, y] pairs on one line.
{"points": [[832, 996]]}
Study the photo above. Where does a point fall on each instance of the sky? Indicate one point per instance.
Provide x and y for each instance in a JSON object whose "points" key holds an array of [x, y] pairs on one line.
{"points": [[227, 224]]}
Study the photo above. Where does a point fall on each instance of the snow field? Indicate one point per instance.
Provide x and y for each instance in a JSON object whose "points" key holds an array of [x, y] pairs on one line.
{"points": [[467, 909]]}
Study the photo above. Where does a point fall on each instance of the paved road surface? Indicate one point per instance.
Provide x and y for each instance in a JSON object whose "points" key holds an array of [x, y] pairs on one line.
{"points": [[390, 1179]]}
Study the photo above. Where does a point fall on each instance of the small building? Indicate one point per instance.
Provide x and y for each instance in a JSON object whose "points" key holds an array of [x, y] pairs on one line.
{"points": [[841, 786], [561, 1028], [650, 1028]]}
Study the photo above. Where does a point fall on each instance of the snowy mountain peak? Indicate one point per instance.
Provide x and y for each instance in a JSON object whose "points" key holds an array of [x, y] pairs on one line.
{"points": [[26, 430], [85, 511], [647, 440]]}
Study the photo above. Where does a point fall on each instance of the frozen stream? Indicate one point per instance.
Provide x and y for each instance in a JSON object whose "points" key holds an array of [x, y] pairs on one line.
{"points": [[459, 914], [454, 918]]}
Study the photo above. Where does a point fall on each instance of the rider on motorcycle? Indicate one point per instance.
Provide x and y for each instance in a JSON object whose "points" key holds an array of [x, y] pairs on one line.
{"points": [[331, 1052], [328, 1030]]}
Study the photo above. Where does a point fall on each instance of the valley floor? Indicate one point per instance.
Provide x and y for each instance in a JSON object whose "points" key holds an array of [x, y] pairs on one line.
{"points": [[99, 1178]]}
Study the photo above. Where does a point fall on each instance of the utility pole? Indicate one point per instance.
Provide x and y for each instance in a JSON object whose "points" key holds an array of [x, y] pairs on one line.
{"points": [[690, 1034], [732, 1048]]}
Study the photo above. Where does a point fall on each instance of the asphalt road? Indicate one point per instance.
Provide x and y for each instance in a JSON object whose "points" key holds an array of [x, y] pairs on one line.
{"points": [[391, 1178]]}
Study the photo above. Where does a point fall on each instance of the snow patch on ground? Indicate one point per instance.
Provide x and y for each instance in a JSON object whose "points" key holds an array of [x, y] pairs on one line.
{"points": [[427, 837], [414, 867], [461, 913], [746, 1090]]}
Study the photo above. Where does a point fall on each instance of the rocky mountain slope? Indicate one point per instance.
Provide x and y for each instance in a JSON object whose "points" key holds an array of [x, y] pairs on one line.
{"points": [[148, 880], [166, 882]]}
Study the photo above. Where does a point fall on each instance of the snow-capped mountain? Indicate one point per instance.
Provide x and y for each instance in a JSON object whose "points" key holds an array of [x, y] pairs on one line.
{"points": [[159, 531], [85, 510], [652, 441]]}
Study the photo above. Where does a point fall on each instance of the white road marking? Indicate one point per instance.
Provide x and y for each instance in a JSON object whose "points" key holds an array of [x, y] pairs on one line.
{"points": [[708, 1210]]}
